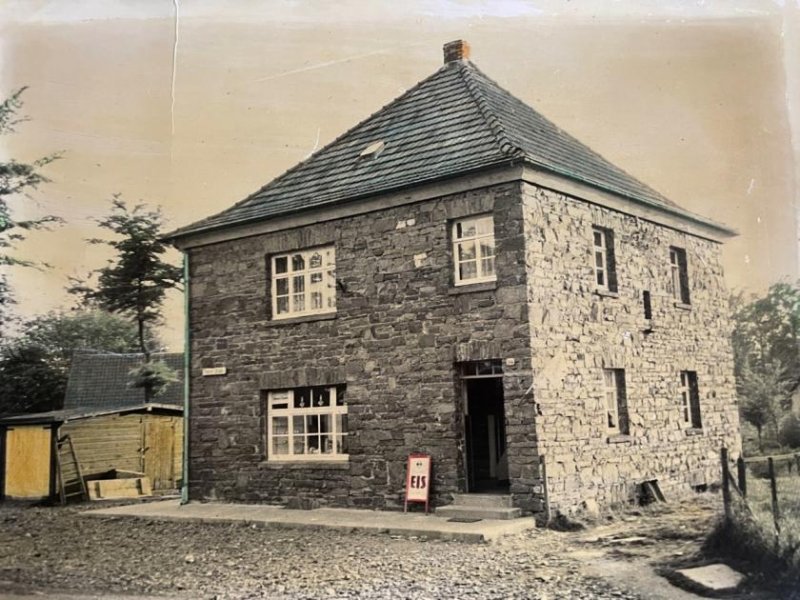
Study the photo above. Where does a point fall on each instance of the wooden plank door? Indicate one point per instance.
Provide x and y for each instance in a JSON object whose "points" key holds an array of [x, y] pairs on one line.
{"points": [[159, 452], [28, 458]]}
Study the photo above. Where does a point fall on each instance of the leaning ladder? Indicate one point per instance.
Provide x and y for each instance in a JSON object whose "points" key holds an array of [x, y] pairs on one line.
{"points": [[67, 458]]}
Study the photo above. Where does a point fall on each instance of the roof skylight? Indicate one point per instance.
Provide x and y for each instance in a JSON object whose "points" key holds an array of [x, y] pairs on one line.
{"points": [[373, 149]]}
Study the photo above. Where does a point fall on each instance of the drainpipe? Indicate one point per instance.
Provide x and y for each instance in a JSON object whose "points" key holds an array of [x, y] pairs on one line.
{"points": [[186, 373]]}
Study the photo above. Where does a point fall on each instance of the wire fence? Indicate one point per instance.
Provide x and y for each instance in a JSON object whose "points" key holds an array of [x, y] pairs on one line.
{"points": [[766, 486]]}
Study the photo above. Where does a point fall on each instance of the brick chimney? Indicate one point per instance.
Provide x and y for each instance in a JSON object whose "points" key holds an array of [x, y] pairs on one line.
{"points": [[457, 50]]}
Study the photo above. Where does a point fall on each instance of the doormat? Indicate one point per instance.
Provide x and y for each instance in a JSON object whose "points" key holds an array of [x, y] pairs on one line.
{"points": [[463, 520]]}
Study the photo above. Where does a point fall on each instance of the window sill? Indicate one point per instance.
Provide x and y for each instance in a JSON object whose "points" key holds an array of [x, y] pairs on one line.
{"points": [[692, 431], [467, 288], [342, 464], [683, 306], [620, 438], [606, 293], [304, 319]]}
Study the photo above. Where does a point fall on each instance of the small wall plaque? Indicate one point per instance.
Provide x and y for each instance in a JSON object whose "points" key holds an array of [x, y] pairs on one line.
{"points": [[214, 371]]}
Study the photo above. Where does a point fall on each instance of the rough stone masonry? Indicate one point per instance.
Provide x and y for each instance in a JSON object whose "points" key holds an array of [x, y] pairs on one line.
{"points": [[401, 327]]}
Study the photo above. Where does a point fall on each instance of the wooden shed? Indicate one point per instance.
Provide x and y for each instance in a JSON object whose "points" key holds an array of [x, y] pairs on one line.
{"points": [[104, 427]]}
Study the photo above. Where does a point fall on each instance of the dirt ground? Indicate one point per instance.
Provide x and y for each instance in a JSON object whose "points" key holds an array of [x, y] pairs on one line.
{"points": [[49, 550]]}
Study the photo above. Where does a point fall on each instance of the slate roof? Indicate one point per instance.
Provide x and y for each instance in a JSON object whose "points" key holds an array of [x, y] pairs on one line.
{"points": [[100, 381], [456, 121]]}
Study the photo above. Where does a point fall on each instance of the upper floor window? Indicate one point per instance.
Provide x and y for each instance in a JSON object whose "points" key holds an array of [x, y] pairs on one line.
{"points": [[304, 283], [307, 423], [605, 268], [679, 274], [616, 402], [690, 400], [473, 249]]}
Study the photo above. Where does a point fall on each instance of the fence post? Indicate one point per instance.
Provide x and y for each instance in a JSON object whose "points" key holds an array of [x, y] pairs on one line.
{"points": [[742, 476], [726, 486], [774, 489]]}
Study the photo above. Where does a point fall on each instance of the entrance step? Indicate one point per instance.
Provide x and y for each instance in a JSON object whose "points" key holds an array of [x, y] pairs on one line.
{"points": [[482, 500], [477, 512]]}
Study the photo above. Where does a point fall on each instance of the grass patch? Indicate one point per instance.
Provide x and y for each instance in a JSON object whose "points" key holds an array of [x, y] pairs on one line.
{"points": [[751, 539]]}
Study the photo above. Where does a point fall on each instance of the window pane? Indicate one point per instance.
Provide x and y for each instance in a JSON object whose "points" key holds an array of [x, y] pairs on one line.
{"points": [[316, 301], [316, 277], [298, 302], [466, 251], [341, 423], [341, 396], [282, 305], [280, 425], [298, 425], [601, 279], [326, 444], [468, 270], [315, 262], [322, 397], [298, 262], [484, 226], [598, 239], [299, 444], [298, 283], [598, 259], [281, 264], [302, 397], [282, 286], [487, 267], [280, 445], [312, 423], [325, 423]]}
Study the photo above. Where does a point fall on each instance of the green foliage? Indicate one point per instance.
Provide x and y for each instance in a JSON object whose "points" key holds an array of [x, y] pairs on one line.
{"points": [[789, 431], [34, 367], [766, 351], [154, 376], [16, 179], [28, 382], [135, 282]]}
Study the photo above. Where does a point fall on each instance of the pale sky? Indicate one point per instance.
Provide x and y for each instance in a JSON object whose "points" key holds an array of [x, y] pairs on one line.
{"points": [[693, 98]]}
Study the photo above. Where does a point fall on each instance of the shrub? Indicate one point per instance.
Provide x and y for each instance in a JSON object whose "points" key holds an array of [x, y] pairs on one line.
{"points": [[789, 431]]}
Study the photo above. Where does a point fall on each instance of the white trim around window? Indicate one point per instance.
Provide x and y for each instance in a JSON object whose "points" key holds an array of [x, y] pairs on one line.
{"points": [[303, 283], [473, 250], [307, 424]]}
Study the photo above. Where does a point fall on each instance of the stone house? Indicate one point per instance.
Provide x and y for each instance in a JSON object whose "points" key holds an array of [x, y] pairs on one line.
{"points": [[456, 275]]}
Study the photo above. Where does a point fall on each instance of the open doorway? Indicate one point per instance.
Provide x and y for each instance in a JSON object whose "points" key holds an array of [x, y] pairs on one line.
{"points": [[484, 427]]}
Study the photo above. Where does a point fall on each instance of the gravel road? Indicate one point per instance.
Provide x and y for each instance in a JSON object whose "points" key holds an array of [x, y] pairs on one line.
{"points": [[57, 549]]}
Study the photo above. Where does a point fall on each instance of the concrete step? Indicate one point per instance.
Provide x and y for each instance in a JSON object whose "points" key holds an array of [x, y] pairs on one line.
{"points": [[484, 500], [477, 512]]}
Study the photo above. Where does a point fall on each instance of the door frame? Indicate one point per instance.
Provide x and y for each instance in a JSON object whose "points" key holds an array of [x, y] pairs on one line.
{"points": [[495, 372]]}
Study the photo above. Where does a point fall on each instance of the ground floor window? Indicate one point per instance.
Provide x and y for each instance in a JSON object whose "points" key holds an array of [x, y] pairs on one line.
{"points": [[616, 402], [690, 400], [308, 423]]}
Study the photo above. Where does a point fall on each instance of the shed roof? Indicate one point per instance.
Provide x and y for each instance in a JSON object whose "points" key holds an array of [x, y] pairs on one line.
{"points": [[454, 122], [100, 381], [76, 414]]}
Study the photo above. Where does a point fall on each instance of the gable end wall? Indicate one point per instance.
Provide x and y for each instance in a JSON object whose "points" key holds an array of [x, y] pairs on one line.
{"points": [[576, 332]]}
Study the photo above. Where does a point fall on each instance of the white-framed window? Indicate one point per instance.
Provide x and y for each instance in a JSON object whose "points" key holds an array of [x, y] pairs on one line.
{"points": [[679, 274], [616, 402], [605, 275], [690, 400], [473, 249], [307, 423], [303, 283]]}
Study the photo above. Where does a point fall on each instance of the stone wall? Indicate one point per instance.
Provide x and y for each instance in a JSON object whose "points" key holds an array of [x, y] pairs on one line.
{"points": [[576, 332], [399, 328]]}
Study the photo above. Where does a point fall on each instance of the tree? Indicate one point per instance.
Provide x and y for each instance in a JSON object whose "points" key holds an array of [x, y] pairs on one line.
{"points": [[136, 281], [766, 351], [16, 179], [34, 367], [761, 393], [28, 382]]}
